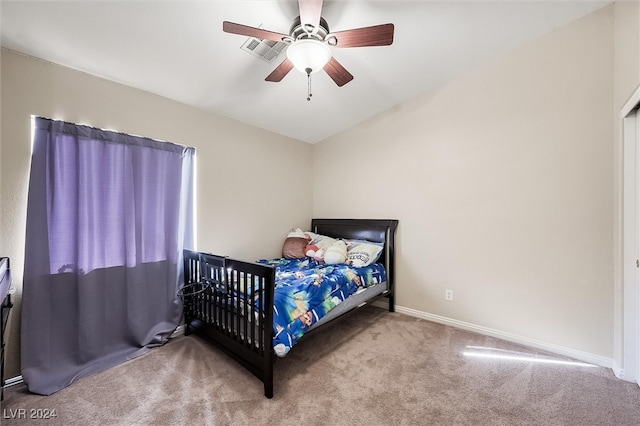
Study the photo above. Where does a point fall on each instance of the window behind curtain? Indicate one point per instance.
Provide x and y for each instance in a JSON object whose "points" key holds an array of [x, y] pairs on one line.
{"points": [[107, 218]]}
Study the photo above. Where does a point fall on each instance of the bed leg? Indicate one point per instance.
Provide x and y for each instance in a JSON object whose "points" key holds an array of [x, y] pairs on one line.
{"points": [[268, 390], [392, 305], [268, 375]]}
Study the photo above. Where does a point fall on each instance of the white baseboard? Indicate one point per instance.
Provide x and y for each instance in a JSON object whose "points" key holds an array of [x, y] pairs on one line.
{"points": [[617, 370], [533, 343]]}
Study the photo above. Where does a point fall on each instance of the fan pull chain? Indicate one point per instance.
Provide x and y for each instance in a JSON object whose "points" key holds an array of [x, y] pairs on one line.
{"points": [[308, 70]]}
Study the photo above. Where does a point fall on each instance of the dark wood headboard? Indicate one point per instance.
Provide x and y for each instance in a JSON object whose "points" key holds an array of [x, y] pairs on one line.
{"points": [[376, 230]]}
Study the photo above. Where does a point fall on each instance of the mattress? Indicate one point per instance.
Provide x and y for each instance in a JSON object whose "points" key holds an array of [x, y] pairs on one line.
{"points": [[352, 302], [307, 291]]}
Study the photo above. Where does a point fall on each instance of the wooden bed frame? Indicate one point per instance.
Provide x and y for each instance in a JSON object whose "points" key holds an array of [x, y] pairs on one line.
{"points": [[213, 310]]}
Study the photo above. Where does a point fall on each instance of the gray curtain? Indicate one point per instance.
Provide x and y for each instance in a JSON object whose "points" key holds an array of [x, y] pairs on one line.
{"points": [[108, 216]]}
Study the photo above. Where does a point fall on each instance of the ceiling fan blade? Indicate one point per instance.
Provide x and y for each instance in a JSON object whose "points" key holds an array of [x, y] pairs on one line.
{"points": [[377, 35], [280, 71], [337, 72], [310, 11], [233, 28]]}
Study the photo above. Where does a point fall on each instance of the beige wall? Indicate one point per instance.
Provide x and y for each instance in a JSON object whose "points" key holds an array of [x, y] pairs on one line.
{"points": [[503, 184], [242, 171], [626, 82]]}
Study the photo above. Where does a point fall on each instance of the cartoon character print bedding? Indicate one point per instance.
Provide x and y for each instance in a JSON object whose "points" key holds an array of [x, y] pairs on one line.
{"points": [[306, 290]]}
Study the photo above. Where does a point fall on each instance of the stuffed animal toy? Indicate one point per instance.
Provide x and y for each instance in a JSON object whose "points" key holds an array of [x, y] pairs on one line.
{"points": [[317, 245], [336, 253], [314, 252]]}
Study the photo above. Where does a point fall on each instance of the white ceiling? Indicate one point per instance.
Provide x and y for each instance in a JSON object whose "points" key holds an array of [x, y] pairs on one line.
{"points": [[178, 50]]}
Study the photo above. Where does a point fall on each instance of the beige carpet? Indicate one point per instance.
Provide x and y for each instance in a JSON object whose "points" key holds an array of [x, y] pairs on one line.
{"points": [[372, 368]]}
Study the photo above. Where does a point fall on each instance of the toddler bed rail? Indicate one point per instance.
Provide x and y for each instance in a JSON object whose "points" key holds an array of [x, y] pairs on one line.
{"points": [[218, 304], [230, 302]]}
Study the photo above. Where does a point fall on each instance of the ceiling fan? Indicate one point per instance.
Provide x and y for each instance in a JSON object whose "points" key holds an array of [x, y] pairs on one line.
{"points": [[309, 43]]}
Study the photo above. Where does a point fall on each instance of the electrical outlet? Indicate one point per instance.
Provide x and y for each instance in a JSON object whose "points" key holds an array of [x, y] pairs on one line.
{"points": [[448, 295]]}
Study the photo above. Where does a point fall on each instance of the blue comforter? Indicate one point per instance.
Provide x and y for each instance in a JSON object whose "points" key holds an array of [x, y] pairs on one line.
{"points": [[306, 290]]}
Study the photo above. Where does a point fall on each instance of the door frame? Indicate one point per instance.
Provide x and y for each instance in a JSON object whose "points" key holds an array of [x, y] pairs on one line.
{"points": [[630, 327]]}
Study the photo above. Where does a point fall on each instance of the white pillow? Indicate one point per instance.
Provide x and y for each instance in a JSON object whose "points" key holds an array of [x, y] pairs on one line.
{"points": [[362, 253], [321, 241]]}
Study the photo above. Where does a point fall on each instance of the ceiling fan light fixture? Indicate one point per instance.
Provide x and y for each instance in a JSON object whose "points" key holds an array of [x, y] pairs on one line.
{"points": [[309, 55]]}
